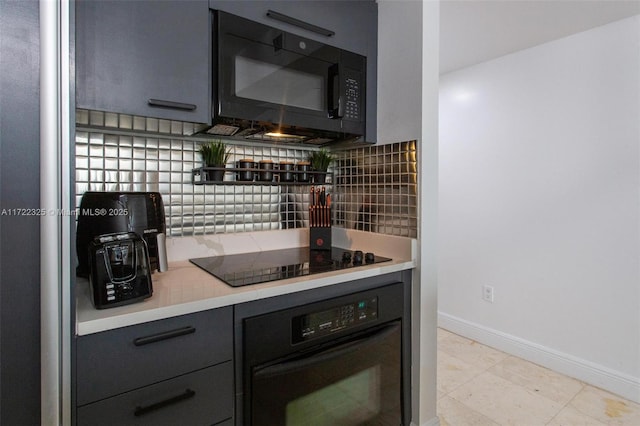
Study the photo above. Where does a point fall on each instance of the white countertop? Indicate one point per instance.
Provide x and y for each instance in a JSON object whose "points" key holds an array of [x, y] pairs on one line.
{"points": [[186, 289]]}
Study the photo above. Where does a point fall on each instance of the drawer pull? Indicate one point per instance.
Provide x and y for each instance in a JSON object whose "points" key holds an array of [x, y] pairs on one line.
{"points": [[171, 104], [140, 341], [141, 411]]}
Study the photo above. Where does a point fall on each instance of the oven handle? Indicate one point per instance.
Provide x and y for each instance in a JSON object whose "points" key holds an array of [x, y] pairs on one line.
{"points": [[358, 343]]}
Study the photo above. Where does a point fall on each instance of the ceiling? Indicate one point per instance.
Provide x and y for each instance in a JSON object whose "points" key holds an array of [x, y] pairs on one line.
{"points": [[474, 31]]}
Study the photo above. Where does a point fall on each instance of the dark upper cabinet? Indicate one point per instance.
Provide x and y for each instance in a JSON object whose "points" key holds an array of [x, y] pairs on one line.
{"points": [[354, 23], [148, 58]]}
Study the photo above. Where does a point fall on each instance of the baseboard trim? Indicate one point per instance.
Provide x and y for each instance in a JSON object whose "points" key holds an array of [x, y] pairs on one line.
{"points": [[597, 375]]}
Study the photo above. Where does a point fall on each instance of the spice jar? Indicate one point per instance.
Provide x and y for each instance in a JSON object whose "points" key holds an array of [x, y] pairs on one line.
{"points": [[286, 171], [303, 168], [247, 173], [266, 170]]}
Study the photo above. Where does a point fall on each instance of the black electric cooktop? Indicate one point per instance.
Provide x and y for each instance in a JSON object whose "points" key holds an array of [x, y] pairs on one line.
{"points": [[252, 268]]}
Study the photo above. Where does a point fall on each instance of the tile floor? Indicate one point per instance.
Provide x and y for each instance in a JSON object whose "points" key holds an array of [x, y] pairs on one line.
{"points": [[482, 386]]}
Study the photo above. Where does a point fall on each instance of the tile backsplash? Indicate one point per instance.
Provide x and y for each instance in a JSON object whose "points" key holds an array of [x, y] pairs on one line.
{"points": [[374, 188]]}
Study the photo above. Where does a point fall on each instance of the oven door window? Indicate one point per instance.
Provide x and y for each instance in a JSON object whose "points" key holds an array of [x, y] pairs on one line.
{"points": [[351, 401], [357, 382]]}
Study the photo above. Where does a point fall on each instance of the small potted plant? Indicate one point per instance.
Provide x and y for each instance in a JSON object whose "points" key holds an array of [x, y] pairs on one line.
{"points": [[320, 162], [214, 154]]}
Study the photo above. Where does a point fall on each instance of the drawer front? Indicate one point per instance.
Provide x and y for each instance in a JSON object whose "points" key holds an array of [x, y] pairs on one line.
{"points": [[121, 360], [204, 398]]}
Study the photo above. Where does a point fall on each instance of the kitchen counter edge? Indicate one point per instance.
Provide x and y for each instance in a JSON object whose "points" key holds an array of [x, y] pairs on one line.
{"points": [[90, 320]]}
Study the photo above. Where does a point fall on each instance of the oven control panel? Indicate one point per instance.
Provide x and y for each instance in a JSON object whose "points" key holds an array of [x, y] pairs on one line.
{"points": [[322, 323]]}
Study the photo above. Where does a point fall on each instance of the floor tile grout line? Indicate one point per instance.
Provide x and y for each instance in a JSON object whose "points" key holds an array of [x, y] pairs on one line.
{"points": [[474, 411], [464, 383], [564, 375], [583, 385], [472, 342], [567, 404], [528, 391], [482, 371]]}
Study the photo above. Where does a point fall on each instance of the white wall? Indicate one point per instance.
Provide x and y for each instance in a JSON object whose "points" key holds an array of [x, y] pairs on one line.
{"points": [[408, 44], [427, 272], [540, 198]]}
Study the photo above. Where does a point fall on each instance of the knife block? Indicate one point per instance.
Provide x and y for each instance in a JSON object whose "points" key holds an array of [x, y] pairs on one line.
{"points": [[320, 238], [319, 219]]}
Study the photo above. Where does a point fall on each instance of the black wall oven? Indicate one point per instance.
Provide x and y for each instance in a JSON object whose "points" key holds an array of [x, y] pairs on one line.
{"points": [[268, 81], [339, 361]]}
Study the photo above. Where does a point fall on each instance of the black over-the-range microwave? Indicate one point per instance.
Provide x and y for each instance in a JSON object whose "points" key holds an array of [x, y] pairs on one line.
{"points": [[269, 84]]}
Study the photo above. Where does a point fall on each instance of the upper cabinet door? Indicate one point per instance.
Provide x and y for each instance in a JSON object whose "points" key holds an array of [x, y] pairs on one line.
{"points": [[353, 23], [148, 58]]}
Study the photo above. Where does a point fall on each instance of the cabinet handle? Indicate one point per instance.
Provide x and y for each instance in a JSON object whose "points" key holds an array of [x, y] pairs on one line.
{"points": [[298, 23], [171, 104], [141, 411], [140, 341]]}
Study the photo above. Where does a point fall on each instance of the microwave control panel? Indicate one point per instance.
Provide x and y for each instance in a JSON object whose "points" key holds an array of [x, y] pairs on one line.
{"points": [[352, 90], [319, 324]]}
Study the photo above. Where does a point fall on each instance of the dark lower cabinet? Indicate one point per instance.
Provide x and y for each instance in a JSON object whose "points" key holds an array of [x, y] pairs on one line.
{"points": [[117, 361], [203, 397], [175, 371]]}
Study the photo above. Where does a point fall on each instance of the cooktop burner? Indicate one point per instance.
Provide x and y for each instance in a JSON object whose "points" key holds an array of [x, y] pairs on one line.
{"points": [[252, 268]]}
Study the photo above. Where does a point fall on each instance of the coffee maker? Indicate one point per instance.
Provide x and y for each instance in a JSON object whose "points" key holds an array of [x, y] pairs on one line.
{"points": [[119, 270], [116, 224]]}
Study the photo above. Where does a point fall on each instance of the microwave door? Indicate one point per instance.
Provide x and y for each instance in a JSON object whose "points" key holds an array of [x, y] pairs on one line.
{"points": [[261, 82], [268, 79], [291, 85]]}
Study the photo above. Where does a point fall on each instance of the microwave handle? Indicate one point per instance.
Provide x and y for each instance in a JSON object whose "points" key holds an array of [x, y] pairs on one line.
{"points": [[335, 100]]}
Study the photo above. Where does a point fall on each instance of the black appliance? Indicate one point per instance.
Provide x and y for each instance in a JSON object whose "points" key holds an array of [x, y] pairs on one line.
{"points": [[252, 268], [120, 273], [103, 213], [341, 361], [274, 85]]}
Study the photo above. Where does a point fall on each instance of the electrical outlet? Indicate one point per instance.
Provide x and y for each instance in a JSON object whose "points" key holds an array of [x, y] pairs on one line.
{"points": [[487, 293]]}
